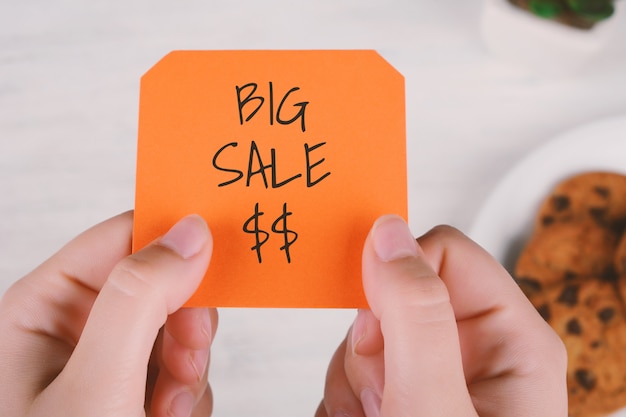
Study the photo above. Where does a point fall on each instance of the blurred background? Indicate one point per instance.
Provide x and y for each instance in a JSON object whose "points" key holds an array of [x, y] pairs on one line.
{"points": [[69, 88]]}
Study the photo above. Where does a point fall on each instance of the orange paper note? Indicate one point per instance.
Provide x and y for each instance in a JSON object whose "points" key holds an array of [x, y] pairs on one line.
{"points": [[290, 156]]}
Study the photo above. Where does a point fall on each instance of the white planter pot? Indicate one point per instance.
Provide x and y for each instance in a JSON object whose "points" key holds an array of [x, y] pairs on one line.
{"points": [[548, 47]]}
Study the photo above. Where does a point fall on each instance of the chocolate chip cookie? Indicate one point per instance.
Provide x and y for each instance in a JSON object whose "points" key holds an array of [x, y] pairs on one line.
{"points": [[589, 317], [600, 196], [573, 269], [564, 251]]}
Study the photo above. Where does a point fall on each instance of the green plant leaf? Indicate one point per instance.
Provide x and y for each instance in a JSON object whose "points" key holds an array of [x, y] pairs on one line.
{"points": [[593, 10], [546, 8]]}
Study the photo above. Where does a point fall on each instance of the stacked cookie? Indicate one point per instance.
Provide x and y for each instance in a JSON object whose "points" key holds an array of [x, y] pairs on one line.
{"points": [[573, 270]]}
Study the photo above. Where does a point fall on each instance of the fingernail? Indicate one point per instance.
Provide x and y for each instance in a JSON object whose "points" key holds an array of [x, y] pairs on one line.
{"points": [[392, 238], [187, 237], [181, 405], [340, 413], [199, 360], [370, 401], [358, 331]]}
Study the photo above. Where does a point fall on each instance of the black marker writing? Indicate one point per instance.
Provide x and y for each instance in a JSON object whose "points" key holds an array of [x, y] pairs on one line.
{"points": [[285, 232], [279, 227], [256, 231], [258, 100], [307, 151], [257, 167]]}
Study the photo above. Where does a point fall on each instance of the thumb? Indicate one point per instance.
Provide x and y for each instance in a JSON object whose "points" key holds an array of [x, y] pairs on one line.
{"points": [[108, 366], [423, 366]]}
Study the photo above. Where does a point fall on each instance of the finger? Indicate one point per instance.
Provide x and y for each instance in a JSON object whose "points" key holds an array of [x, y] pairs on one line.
{"points": [[472, 280], [471, 274], [89, 258], [187, 338], [112, 355], [355, 377], [321, 410], [517, 349], [193, 327], [204, 407], [366, 336], [184, 364], [173, 398], [423, 365], [364, 362], [60, 292], [339, 398], [43, 314]]}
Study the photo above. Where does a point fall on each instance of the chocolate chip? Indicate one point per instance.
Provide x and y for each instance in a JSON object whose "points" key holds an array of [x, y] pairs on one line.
{"points": [[618, 225], [569, 295], [573, 327], [547, 220], [598, 214], [544, 311], [595, 344], [569, 276], [585, 379], [529, 284], [609, 274], [606, 314], [560, 202], [602, 191]]}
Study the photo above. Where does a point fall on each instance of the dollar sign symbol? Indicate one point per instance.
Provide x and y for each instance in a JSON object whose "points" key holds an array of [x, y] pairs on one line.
{"points": [[285, 231], [256, 231]]}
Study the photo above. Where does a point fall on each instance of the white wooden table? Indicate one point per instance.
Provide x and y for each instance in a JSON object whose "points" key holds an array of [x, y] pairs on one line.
{"points": [[69, 85]]}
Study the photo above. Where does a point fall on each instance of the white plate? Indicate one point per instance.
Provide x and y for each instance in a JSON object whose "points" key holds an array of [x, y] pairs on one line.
{"points": [[505, 221]]}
